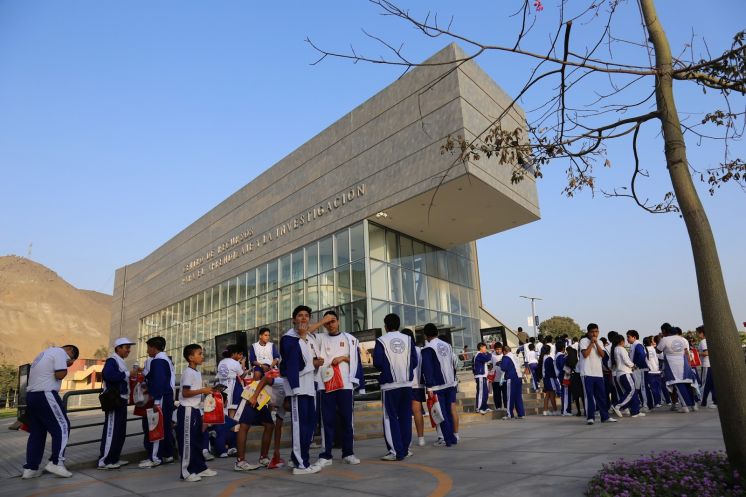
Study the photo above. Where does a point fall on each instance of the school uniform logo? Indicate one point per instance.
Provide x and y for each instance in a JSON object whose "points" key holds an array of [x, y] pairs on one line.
{"points": [[397, 346], [442, 349]]}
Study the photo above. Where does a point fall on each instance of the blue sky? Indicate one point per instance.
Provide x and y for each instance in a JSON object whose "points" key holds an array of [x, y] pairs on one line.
{"points": [[123, 122]]}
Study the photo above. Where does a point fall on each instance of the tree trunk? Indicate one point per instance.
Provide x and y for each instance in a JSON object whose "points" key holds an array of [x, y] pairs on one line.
{"points": [[723, 343]]}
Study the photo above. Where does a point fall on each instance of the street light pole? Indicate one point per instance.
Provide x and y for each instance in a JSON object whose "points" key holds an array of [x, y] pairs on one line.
{"points": [[533, 313]]}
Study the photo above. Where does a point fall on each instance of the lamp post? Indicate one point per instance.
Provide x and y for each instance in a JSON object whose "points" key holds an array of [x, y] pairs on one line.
{"points": [[533, 313]]}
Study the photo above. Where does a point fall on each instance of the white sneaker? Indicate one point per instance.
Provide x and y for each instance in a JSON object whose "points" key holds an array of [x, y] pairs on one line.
{"points": [[488, 410], [315, 445], [125, 463], [616, 410], [567, 414], [645, 409], [105, 467], [389, 457], [421, 441], [683, 409], [409, 454], [482, 412], [57, 469], [245, 466], [545, 413], [232, 452], [31, 473], [507, 417], [193, 477], [638, 415], [712, 406], [264, 461], [322, 463], [223, 455], [207, 472], [440, 443], [589, 422], [695, 407], [610, 420], [206, 454], [167, 460], [291, 464], [313, 468], [147, 463], [351, 459]]}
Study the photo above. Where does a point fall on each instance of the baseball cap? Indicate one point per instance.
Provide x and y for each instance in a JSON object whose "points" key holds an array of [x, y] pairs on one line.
{"points": [[123, 341]]}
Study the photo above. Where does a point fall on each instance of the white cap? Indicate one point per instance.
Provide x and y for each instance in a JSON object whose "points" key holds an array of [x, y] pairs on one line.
{"points": [[123, 341]]}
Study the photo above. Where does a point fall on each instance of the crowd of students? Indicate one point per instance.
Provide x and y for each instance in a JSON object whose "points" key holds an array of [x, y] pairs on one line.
{"points": [[620, 374], [314, 373]]}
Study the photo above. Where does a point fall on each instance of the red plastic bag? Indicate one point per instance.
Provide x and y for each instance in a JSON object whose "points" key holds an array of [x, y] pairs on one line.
{"points": [[694, 360], [156, 430], [432, 400], [214, 413], [332, 378], [491, 377]]}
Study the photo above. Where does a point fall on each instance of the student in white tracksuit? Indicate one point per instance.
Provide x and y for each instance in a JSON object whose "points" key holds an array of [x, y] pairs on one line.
{"points": [[45, 412], [394, 355], [622, 367], [708, 387], [116, 375]]}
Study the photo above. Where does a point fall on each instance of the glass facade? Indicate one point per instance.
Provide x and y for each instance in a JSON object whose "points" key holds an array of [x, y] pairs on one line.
{"points": [[420, 282]]}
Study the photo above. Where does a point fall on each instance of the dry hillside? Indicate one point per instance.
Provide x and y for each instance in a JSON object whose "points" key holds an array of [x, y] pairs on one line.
{"points": [[38, 309]]}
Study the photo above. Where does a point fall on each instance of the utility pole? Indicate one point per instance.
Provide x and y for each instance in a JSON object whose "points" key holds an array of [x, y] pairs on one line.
{"points": [[533, 313]]}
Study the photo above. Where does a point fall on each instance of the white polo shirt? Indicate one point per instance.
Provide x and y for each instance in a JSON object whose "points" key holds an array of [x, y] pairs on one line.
{"points": [[591, 365], [193, 379], [41, 375], [331, 346], [703, 348]]}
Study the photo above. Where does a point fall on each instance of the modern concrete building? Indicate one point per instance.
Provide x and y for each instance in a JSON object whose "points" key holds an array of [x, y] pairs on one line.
{"points": [[368, 217]]}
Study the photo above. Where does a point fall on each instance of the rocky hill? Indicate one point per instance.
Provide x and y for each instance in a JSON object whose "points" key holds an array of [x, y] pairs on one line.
{"points": [[38, 309]]}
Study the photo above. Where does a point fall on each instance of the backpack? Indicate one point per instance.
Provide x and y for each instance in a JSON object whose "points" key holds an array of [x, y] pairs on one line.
{"points": [[540, 369], [572, 358]]}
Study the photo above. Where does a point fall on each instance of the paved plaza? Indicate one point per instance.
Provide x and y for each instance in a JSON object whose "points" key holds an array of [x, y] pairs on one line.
{"points": [[537, 456]]}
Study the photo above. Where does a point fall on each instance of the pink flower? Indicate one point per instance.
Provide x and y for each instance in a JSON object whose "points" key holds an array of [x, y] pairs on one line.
{"points": [[538, 6]]}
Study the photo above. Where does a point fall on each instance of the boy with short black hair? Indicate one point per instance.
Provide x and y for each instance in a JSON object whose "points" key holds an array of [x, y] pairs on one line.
{"points": [[479, 368], [229, 373], [638, 354], [499, 393], [46, 412], [263, 355], [340, 351], [160, 380], [298, 368], [513, 382], [440, 379], [590, 364], [394, 355], [189, 418]]}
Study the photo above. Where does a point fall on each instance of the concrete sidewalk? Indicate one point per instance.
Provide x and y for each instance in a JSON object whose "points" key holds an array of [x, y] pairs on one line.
{"points": [[537, 456]]}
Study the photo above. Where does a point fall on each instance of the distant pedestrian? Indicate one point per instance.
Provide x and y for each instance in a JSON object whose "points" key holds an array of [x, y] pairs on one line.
{"points": [[709, 398]]}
